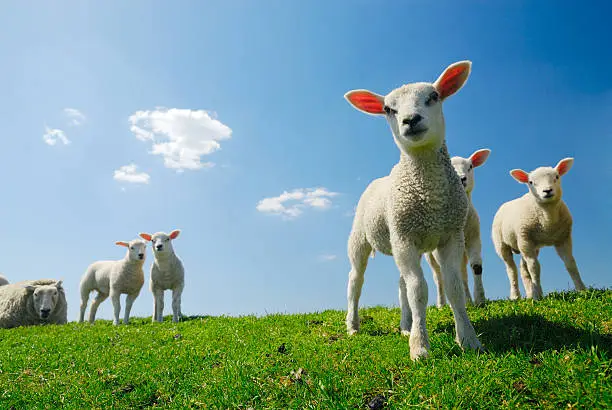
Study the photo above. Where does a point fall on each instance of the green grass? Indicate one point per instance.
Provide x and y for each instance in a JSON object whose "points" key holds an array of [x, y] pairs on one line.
{"points": [[555, 353]]}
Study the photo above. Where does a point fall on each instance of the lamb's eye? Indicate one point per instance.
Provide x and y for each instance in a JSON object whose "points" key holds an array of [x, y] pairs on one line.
{"points": [[471, 166], [167, 240], [433, 98], [530, 182], [389, 110], [557, 178]]}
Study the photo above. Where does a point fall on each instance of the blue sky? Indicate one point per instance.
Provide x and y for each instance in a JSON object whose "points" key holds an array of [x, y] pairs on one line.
{"points": [[256, 89]]}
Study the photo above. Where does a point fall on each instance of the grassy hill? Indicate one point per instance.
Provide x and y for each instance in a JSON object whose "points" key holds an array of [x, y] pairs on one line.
{"points": [[556, 353]]}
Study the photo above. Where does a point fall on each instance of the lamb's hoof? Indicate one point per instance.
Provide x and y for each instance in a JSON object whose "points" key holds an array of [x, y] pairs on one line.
{"points": [[405, 333], [479, 301], [352, 332], [419, 353], [115, 323], [440, 305], [515, 296], [471, 343]]}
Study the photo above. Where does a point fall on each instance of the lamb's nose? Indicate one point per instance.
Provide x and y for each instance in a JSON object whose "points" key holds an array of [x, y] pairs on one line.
{"points": [[412, 120], [548, 191], [141, 255], [463, 179], [45, 312], [159, 247]]}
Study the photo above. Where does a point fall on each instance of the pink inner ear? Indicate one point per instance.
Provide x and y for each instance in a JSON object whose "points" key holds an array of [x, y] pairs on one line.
{"points": [[563, 167], [121, 244], [478, 158], [366, 101], [452, 80], [145, 236], [174, 234], [520, 175]]}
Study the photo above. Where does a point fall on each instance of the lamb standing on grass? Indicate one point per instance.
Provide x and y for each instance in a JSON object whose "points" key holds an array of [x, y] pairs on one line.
{"points": [[167, 272], [537, 219], [33, 302], [3, 280], [419, 207], [114, 278], [464, 167]]}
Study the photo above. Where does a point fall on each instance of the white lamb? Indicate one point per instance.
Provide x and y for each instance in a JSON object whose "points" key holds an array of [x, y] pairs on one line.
{"points": [[114, 278], [3, 280], [167, 272], [464, 167], [419, 207], [537, 219], [33, 302]]}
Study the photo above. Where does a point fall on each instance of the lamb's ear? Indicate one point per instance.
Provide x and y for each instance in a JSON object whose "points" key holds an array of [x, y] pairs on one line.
{"points": [[58, 284], [145, 236], [30, 288], [564, 165], [366, 101], [121, 243], [520, 175], [174, 234], [453, 78], [479, 157]]}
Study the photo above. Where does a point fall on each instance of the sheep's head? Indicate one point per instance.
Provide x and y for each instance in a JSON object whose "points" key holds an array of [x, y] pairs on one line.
{"points": [[414, 111], [464, 167], [136, 249], [44, 298], [161, 241], [544, 183]]}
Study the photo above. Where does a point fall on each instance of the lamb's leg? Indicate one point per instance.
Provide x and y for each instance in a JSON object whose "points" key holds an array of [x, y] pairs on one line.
{"points": [[450, 256], [358, 253], [100, 297], [527, 283], [129, 300], [464, 279], [505, 252], [437, 276], [158, 305], [564, 251], [84, 300], [176, 304], [116, 299], [406, 318], [408, 261], [533, 265], [474, 255]]}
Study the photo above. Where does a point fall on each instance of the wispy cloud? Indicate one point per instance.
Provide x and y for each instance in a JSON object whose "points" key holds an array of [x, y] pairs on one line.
{"points": [[75, 117], [292, 204], [181, 136], [53, 135], [129, 173], [327, 257]]}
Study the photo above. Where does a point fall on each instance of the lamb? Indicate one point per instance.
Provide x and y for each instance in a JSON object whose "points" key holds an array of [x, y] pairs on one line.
{"points": [[33, 302], [537, 219], [3, 280], [419, 207], [464, 167], [114, 278], [167, 272]]}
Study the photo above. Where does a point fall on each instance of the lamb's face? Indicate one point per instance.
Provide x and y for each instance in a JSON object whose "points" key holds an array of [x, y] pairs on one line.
{"points": [[465, 170], [137, 249], [414, 113], [45, 298], [161, 241], [545, 184]]}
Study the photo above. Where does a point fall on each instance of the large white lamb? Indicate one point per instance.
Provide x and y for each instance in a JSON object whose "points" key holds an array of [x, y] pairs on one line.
{"points": [[114, 278], [3, 280], [464, 167], [537, 219], [419, 207], [33, 302], [167, 272]]}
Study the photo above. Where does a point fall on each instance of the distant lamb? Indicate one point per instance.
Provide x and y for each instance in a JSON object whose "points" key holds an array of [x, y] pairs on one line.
{"points": [[33, 302], [419, 207], [167, 272], [115, 278], [3, 280], [537, 219], [464, 167]]}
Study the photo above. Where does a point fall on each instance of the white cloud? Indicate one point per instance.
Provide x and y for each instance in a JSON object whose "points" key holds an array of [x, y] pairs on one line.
{"points": [[327, 257], [290, 205], [128, 173], [53, 135], [181, 136], [75, 116]]}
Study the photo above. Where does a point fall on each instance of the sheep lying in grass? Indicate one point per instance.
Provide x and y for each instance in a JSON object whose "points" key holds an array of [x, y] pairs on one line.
{"points": [[167, 272], [33, 302], [537, 219], [464, 167], [3, 280], [114, 278], [419, 207]]}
